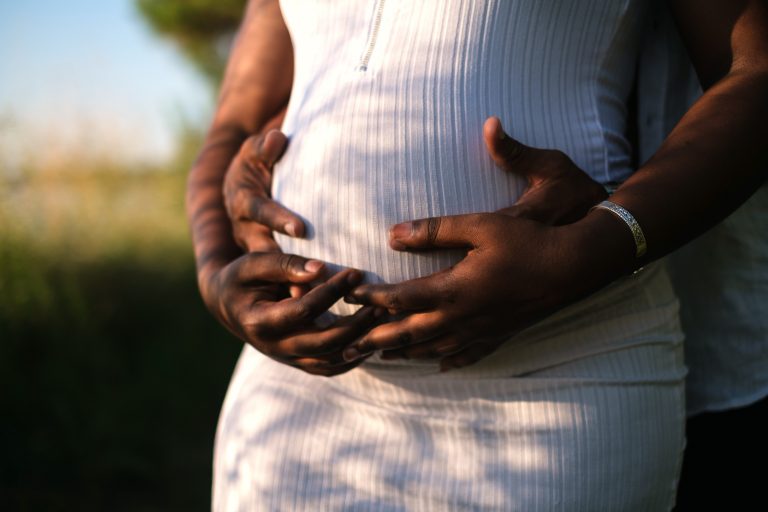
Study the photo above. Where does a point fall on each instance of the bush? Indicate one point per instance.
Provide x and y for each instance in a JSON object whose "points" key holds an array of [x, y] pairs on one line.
{"points": [[111, 369]]}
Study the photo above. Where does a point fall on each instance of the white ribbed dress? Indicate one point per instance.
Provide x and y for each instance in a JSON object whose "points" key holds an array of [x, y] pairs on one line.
{"points": [[583, 411]]}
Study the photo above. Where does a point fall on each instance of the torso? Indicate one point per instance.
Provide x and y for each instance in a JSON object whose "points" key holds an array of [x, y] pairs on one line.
{"points": [[402, 139], [585, 412]]}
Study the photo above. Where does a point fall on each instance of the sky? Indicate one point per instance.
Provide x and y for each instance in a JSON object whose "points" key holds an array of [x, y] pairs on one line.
{"points": [[89, 73]]}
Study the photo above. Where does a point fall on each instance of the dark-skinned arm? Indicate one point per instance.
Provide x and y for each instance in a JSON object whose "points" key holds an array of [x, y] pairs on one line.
{"points": [[716, 157], [249, 293]]}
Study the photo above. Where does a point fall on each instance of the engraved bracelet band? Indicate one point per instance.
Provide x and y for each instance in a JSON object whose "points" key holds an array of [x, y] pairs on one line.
{"points": [[623, 214]]}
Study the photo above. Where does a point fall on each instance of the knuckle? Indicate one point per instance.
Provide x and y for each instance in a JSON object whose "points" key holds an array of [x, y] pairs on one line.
{"points": [[270, 351], [433, 228], [393, 301], [228, 276], [257, 207], [250, 151], [238, 204], [254, 329], [488, 224], [448, 293], [474, 219], [521, 210], [365, 346], [302, 311], [514, 151], [336, 287], [288, 262]]}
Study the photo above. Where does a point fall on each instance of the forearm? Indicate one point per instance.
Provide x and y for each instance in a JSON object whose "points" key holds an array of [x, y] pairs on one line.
{"points": [[256, 88], [257, 81], [710, 164], [714, 159]]}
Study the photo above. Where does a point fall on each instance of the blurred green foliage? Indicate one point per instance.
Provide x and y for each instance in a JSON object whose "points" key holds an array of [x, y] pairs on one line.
{"points": [[201, 28], [112, 372]]}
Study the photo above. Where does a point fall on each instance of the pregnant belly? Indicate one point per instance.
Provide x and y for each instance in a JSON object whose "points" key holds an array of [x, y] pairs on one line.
{"points": [[352, 175], [352, 172]]}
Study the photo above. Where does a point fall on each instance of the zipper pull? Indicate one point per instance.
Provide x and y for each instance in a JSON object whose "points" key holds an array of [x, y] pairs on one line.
{"points": [[373, 34]]}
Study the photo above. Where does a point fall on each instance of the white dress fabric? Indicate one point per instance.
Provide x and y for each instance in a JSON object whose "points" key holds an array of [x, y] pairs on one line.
{"points": [[722, 281], [583, 411]]}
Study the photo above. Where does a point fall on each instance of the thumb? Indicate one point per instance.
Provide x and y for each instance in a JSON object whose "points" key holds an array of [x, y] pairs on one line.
{"points": [[435, 232], [508, 153], [273, 147]]}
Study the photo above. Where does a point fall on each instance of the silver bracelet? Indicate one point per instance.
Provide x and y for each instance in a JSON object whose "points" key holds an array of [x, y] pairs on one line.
{"points": [[637, 232]]}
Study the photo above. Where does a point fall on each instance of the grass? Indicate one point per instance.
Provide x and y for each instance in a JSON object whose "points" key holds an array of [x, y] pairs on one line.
{"points": [[111, 370]]}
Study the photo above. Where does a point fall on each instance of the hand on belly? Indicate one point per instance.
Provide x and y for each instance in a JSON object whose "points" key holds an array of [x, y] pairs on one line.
{"points": [[463, 313]]}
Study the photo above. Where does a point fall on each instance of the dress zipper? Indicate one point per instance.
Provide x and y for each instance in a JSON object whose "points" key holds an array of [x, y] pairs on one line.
{"points": [[373, 34]]}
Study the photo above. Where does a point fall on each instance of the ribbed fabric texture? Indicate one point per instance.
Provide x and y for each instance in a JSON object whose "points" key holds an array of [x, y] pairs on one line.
{"points": [[403, 140], [722, 281], [583, 411], [600, 432]]}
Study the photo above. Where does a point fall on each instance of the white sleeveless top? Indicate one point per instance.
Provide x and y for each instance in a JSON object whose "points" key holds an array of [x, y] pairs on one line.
{"points": [[390, 97], [583, 411]]}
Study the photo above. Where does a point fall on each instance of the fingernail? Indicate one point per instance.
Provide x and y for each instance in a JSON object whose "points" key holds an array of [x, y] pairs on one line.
{"points": [[313, 266], [290, 228], [400, 231], [351, 354]]}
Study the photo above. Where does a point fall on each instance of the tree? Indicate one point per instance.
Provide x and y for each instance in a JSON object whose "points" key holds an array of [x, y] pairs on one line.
{"points": [[202, 29]]}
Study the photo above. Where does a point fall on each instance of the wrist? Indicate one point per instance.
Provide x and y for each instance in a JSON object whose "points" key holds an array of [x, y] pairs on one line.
{"points": [[603, 249]]}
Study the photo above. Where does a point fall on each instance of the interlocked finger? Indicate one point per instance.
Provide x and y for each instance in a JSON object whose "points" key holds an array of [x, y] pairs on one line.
{"points": [[289, 314], [413, 329], [435, 348], [331, 340], [413, 295]]}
